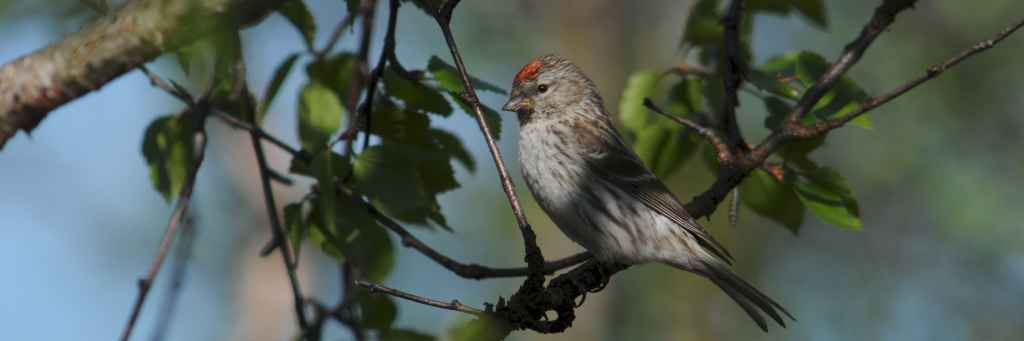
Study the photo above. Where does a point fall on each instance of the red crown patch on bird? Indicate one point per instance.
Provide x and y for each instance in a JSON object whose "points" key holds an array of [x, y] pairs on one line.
{"points": [[528, 72]]}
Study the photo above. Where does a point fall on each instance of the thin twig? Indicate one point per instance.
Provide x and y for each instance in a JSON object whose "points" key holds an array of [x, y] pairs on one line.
{"points": [[534, 258], [454, 305], [471, 271], [278, 231], [722, 150], [728, 179], [336, 35], [182, 254], [180, 209], [365, 110], [237, 123], [169, 86], [348, 300], [884, 16], [933, 71]]}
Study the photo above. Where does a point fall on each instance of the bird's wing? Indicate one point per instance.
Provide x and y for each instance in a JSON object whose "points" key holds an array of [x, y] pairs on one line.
{"points": [[621, 167]]}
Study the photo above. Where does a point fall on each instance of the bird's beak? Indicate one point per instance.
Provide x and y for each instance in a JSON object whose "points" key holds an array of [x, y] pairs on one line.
{"points": [[516, 104]]}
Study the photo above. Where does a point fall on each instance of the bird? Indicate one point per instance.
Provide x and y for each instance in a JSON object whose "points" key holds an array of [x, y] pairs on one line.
{"points": [[599, 192]]}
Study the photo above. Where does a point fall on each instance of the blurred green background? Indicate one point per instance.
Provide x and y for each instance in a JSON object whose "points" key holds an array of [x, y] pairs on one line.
{"points": [[940, 257]]}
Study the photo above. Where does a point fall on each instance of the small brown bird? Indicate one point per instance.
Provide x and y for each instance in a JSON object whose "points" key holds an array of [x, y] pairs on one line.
{"points": [[600, 194]]}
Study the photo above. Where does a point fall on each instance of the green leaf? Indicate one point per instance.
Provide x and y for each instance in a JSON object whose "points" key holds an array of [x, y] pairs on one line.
{"points": [[280, 73], [328, 240], [319, 115], [493, 118], [387, 175], [448, 78], [795, 152], [168, 149], [453, 146], [392, 123], [773, 199], [300, 17], [704, 28], [828, 196], [632, 113], [404, 335], [415, 95], [482, 328], [324, 173], [352, 6], [295, 226], [369, 248], [378, 310], [336, 72], [814, 10], [804, 69], [661, 143], [355, 238], [404, 180]]}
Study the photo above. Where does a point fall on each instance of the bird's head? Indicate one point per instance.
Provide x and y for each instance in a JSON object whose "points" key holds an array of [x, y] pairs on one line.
{"points": [[547, 87]]}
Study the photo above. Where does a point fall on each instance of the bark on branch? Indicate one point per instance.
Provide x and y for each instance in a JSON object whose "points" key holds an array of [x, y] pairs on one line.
{"points": [[37, 83]]}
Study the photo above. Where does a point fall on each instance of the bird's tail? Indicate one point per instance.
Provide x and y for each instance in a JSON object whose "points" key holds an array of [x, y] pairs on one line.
{"points": [[753, 301]]}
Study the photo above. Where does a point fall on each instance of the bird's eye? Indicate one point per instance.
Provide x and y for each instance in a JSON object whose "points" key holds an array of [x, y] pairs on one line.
{"points": [[542, 88]]}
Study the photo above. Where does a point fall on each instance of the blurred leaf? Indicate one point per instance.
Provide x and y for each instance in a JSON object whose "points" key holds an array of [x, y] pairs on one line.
{"points": [[814, 10], [403, 181], [355, 238], [352, 6], [773, 199], [453, 146], [493, 118], [327, 240], [422, 154], [632, 113], [336, 72], [448, 77], [370, 248], [415, 95], [661, 143], [392, 123], [300, 165], [280, 73], [481, 328], [319, 115], [828, 196], [379, 310], [704, 28], [295, 226], [168, 149], [322, 166], [404, 335], [300, 17]]}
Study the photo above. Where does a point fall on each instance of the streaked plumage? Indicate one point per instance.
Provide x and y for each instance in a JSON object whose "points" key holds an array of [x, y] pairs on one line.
{"points": [[600, 193]]}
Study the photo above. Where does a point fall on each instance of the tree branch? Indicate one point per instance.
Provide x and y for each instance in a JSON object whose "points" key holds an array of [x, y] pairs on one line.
{"points": [[733, 77], [885, 15], [278, 231], [177, 216], [730, 175], [534, 258], [182, 254], [454, 305], [933, 71], [35, 84], [724, 154], [471, 271]]}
